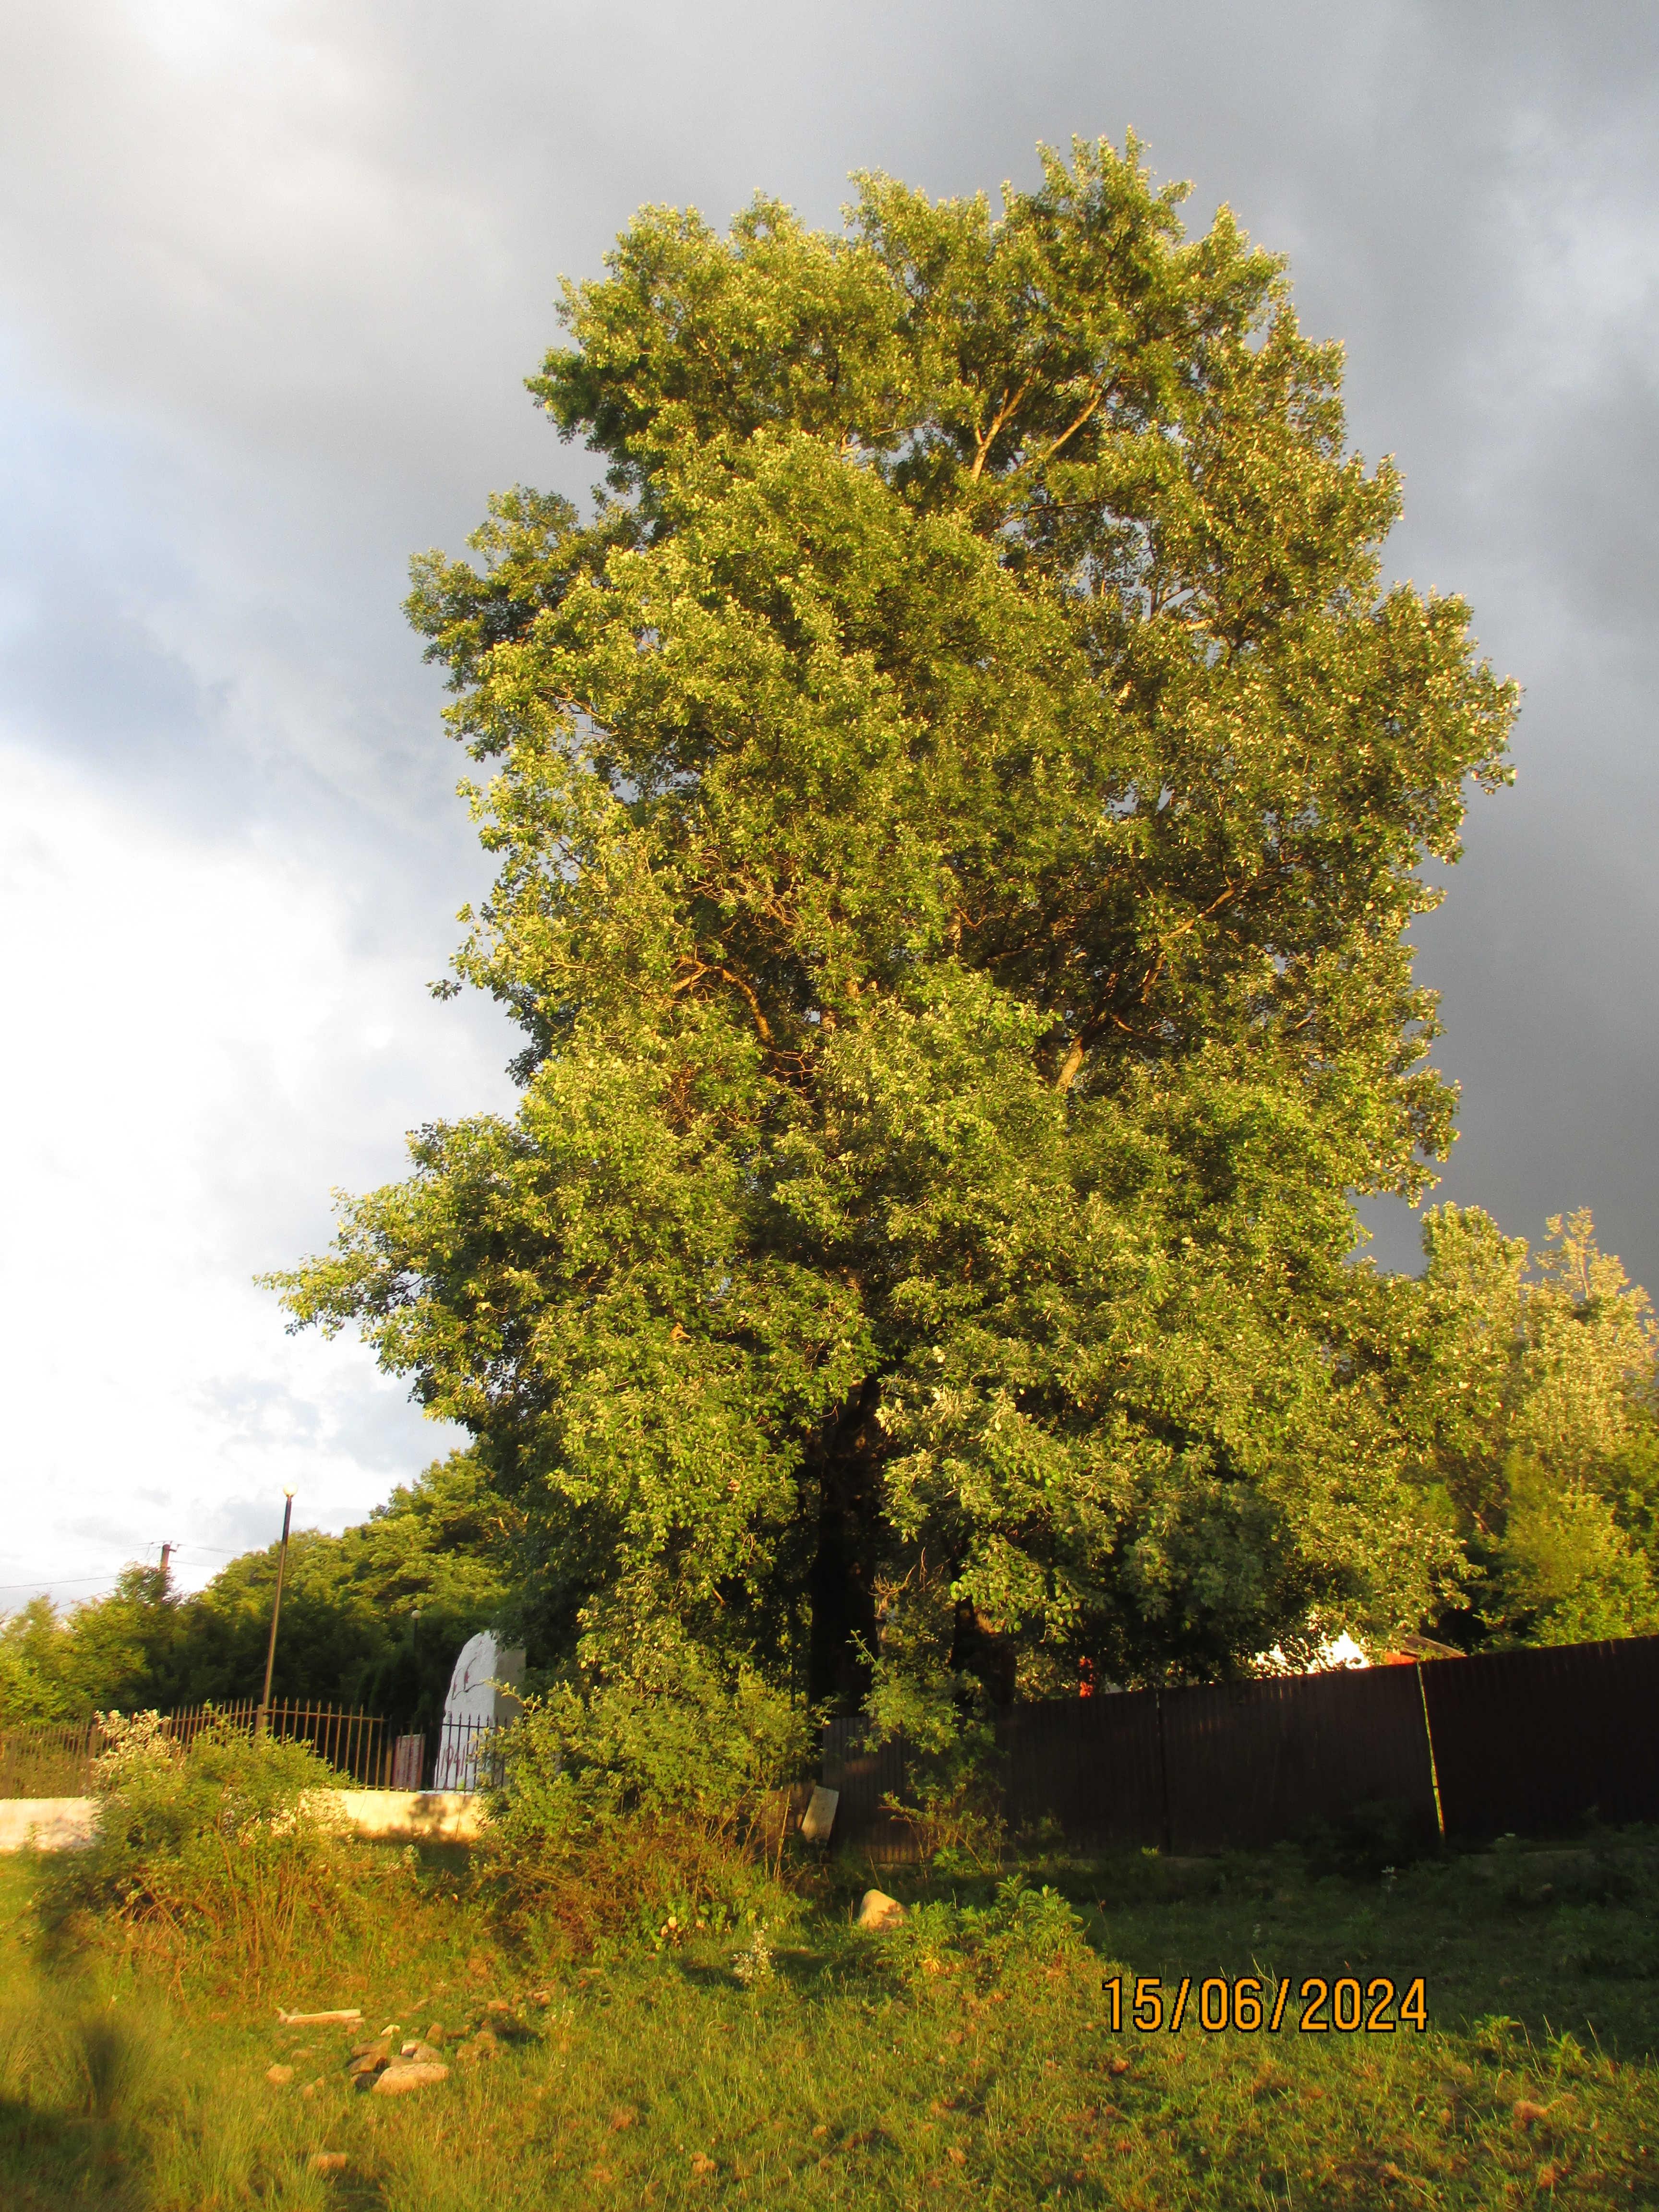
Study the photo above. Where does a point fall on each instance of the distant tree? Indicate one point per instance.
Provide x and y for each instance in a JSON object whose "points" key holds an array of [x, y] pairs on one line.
{"points": [[104, 1653], [373, 1617], [1533, 1415], [957, 803], [31, 1683]]}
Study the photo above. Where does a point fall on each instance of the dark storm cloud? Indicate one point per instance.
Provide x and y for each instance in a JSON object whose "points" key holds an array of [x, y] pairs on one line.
{"points": [[273, 275]]}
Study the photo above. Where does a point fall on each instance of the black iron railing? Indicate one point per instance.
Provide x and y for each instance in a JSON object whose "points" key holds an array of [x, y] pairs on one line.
{"points": [[54, 1760], [468, 1755]]}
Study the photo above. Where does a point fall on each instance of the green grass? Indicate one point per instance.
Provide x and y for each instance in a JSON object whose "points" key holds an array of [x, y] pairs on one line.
{"points": [[948, 2066]]}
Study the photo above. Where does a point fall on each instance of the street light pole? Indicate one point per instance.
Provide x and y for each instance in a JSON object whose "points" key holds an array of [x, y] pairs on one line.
{"points": [[262, 1718]]}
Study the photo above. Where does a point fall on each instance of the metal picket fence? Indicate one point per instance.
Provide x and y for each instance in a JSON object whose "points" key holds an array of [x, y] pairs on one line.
{"points": [[468, 1755], [48, 1759], [54, 1760]]}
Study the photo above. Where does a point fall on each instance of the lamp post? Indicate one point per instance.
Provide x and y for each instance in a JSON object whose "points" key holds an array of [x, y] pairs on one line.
{"points": [[262, 1718]]}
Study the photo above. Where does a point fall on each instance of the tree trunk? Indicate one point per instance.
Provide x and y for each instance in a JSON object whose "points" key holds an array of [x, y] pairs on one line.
{"points": [[841, 1583]]}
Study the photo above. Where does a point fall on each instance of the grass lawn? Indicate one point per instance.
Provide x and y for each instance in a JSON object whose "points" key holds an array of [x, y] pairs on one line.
{"points": [[964, 2060]]}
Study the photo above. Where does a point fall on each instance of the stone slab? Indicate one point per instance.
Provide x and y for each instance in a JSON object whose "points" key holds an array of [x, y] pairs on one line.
{"points": [[414, 1816], [820, 1815]]}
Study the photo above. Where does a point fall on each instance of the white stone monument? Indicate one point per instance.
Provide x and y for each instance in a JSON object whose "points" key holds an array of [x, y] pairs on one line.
{"points": [[483, 1696]]}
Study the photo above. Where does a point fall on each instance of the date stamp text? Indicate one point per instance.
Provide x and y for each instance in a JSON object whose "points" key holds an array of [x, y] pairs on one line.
{"points": [[1248, 2004]]}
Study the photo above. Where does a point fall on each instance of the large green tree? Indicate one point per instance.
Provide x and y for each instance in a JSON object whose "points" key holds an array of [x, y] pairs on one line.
{"points": [[958, 796]]}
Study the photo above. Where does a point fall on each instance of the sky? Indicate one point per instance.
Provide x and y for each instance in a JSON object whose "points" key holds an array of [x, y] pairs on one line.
{"points": [[271, 276]]}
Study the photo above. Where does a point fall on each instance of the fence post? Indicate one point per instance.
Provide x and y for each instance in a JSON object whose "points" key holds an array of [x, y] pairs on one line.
{"points": [[263, 1714], [1434, 1770]]}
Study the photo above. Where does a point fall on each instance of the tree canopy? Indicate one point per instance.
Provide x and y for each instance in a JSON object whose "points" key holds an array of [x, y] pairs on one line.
{"points": [[958, 796]]}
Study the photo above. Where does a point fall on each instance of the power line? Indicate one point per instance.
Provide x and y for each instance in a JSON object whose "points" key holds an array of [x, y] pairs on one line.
{"points": [[111, 1574], [63, 1582]]}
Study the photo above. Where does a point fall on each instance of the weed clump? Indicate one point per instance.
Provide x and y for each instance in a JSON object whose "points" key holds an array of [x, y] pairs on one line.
{"points": [[1023, 1931], [221, 1850], [1377, 1837]]}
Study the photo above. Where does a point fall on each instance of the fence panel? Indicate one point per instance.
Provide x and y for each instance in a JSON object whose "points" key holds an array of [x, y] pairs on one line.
{"points": [[1528, 1741], [864, 1779], [351, 1742], [1093, 1765], [48, 1759], [408, 1762], [1238, 1766], [1259, 1762]]}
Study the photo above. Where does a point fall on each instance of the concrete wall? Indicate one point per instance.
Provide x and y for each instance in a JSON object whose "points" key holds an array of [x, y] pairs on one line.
{"points": [[49, 1824], [402, 1816], [413, 1816]]}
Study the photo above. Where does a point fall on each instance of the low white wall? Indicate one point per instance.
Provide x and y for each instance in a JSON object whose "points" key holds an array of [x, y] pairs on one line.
{"points": [[402, 1816], [414, 1816], [48, 1824]]}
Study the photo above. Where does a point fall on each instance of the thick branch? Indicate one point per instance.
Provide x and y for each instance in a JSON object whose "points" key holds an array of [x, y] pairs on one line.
{"points": [[998, 421]]}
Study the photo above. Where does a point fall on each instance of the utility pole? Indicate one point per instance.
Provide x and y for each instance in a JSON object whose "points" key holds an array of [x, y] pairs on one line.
{"points": [[262, 1718], [167, 1553]]}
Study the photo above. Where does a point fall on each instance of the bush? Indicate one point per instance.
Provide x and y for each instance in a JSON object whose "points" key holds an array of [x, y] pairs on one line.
{"points": [[1024, 1930], [644, 1803], [224, 1849]]}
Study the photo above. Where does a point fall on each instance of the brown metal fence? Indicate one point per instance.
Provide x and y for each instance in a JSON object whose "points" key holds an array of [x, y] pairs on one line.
{"points": [[1093, 1766], [53, 1761], [1250, 1763], [867, 1779], [1525, 1743]]}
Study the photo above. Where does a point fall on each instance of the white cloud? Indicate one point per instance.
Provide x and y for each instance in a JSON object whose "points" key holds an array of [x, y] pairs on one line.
{"points": [[199, 1046]]}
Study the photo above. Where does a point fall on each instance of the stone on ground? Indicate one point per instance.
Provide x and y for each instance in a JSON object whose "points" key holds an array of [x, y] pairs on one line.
{"points": [[409, 2073], [879, 1911]]}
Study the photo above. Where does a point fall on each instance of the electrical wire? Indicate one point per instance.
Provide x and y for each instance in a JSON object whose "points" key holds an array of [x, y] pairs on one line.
{"points": [[113, 1574], [63, 1582]]}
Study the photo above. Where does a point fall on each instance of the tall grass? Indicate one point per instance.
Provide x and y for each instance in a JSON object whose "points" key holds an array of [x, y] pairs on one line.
{"points": [[218, 1853], [636, 2011]]}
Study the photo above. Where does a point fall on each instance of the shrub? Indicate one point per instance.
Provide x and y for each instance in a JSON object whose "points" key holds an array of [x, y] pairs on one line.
{"points": [[953, 1803], [644, 1802], [224, 1848], [1373, 1838]]}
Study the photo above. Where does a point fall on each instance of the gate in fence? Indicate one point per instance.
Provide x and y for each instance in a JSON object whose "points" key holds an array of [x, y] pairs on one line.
{"points": [[1522, 1742]]}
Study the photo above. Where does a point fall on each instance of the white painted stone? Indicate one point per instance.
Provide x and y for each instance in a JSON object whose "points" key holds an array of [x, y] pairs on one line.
{"points": [[482, 1694], [820, 1815], [879, 1911], [413, 1816], [46, 1824], [403, 1816]]}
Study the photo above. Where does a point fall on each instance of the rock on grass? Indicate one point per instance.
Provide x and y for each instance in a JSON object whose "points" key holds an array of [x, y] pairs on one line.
{"points": [[414, 2074]]}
